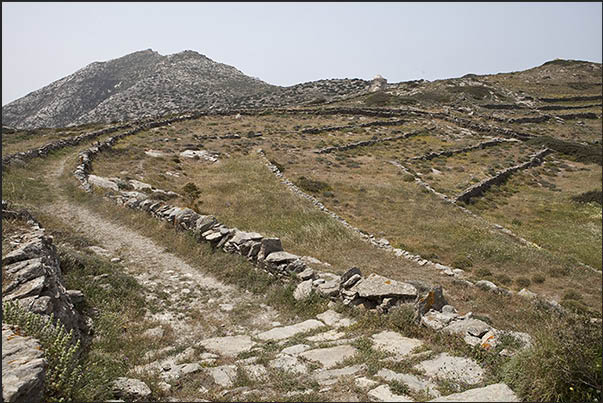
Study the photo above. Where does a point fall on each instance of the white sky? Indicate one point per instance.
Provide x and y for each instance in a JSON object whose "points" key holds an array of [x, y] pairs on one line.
{"points": [[289, 43]]}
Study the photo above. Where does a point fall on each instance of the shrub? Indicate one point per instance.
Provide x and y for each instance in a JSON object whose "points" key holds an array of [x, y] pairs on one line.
{"points": [[64, 374], [481, 272], [379, 98], [563, 364], [476, 91], [191, 192], [504, 279], [408, 178], [523, 282], [462, 262], [313, 186], [538, 278], [572, 294], [595, 196]]}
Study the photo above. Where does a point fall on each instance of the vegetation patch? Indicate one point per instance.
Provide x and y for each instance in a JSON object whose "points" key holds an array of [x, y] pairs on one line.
{"points": [[310, 185], [586, 153], [592, 196]]}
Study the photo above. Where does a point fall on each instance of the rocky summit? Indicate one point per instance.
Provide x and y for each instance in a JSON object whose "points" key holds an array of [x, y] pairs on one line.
{"points": [[145, 84]]}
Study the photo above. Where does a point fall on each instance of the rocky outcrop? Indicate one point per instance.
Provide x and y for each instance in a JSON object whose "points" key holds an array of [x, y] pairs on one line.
{"points": [[371, 142], [23, 367], [34, 279], [146, 84], [479, 188]]}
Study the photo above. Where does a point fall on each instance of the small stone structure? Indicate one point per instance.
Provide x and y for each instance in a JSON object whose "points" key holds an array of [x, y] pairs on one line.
{"points": [[378, 84]]}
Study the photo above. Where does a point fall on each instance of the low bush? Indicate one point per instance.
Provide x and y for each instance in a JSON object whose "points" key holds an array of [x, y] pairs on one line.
{"points": [[66, 379], [595, 196], [563, 364], [313, 186]]}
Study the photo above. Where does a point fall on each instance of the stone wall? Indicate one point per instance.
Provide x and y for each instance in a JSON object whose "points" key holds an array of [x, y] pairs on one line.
{"points": [[365, 143], [315, 130], [58, 144], [573, 99], [479, 188], [562, 107], [448, 153], [33, 276]]}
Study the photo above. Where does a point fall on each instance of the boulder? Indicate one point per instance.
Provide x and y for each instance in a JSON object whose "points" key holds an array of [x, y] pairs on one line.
{"points": [[303, 290], [229, 346], [395, 344], [376, 286], [131, 389], [383, 393], [330, 356], [434, 299]]}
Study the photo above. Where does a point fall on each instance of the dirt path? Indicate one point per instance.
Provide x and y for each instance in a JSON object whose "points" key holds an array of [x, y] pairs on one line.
{"points": [[227, 344]]}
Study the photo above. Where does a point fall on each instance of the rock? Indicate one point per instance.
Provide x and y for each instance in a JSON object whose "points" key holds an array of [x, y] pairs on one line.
{"points": [[241, 237], [364, 382], [327, 336], [204, 223], [103, 182], [330, 377], [224, 375], [23, 367], [330, 286], [330, 356], [524, 292], [100, 251], [297, 266], [256, 372], [156, 332], [281, 257], [351, 281], [280, 333], [229, 346], [268, 246], [455, 369], [486, 285], [131, 389], [76, 296], [115, 260], [177, 371], [335, 319], [415, 384], [437, 320], [395, 344], [468, 327], [349, 274], [289, 363], [380, 287], [498, 392], [303, 290], [434, 299], [296, 349], [384, 394], [307, 274]]}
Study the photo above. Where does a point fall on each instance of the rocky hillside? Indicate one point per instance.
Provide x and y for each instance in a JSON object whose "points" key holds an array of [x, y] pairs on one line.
{"points": [[146, 83]]}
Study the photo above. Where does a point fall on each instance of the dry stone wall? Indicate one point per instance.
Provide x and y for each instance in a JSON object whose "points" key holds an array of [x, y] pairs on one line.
{"points": [[58, 144], [315, 130], [365, 143], [448, 153], [34, 278], [479, 188]]}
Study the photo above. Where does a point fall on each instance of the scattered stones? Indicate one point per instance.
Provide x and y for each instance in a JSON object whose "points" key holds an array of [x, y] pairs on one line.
{"points": [[498, 392], [330, 356], [455, 369], [156, 332], [131, 389], [229, 346], [256, 372]]}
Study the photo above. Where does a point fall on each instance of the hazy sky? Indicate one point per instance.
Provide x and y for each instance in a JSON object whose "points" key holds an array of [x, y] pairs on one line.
{"points": [[289, 43]]}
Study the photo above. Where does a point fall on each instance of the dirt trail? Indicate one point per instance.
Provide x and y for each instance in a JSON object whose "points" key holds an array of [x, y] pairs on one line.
{"points": [[214, 323]]}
